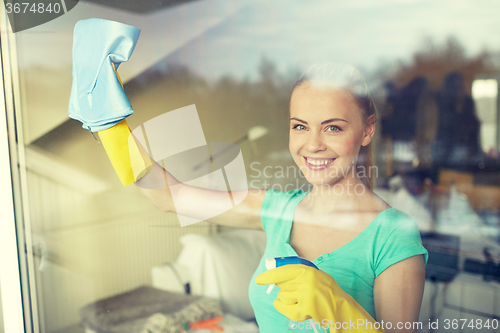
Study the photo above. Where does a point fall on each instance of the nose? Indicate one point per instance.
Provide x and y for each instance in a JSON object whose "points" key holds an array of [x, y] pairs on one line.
{"points": [[315, 143]]}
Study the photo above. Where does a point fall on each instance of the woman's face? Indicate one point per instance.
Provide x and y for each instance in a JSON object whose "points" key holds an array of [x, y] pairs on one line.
{"points": [[326, 133]]}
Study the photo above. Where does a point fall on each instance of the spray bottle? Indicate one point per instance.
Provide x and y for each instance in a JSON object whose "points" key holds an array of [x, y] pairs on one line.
{"points": [[282, 261], [272, 263]]}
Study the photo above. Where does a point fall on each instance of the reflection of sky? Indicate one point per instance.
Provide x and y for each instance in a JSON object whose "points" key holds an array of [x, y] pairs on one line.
{"points": [[295, 33], [217, 37]]}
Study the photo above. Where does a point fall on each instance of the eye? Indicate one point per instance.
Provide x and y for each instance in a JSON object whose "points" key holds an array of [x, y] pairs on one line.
{"points": [[299, 127], [334, 128]]}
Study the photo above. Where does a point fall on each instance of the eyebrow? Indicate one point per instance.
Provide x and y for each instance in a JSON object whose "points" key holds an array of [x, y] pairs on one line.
{"points": [[323, 122]]}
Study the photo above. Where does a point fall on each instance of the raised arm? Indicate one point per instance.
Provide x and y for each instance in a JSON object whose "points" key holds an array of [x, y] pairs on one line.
{"points": [[160, 187], [99, 102], [133, 165], [197, 202]]}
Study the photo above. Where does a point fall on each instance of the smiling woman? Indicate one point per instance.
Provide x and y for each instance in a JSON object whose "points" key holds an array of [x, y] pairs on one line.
{"points": [[360, 244], [340, 91], [370, 256]]}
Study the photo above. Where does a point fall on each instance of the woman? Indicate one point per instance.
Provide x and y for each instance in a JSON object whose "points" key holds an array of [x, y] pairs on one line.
{"points": [[373, 251], [370, 257]]}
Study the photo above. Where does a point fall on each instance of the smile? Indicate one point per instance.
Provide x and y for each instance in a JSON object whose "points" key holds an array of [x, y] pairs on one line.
{"points": [[318, 163]]}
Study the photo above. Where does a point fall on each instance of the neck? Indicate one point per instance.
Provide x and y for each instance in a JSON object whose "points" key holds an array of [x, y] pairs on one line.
{"points": [[348, 193]]}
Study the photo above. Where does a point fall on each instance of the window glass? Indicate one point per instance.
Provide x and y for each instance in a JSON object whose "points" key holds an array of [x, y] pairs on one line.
{"points": [[432, 72]]}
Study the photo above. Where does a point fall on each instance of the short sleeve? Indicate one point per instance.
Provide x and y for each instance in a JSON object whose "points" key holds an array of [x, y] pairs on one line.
{"points": [[403, 242], [277, 208], [266, 207]]}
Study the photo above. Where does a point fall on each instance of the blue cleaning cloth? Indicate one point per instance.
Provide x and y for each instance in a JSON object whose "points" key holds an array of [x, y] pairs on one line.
{"points": [[97, 99]]}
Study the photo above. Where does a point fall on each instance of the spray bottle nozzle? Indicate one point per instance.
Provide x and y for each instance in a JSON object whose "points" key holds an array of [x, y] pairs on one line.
{"points": [[272, 263]]}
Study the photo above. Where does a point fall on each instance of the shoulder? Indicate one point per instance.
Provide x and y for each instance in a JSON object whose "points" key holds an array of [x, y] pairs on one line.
{"points": [[290, 193], [278, 207], [283, 196], [398, 239], [279, 200], [396, 228], [394, 220]]}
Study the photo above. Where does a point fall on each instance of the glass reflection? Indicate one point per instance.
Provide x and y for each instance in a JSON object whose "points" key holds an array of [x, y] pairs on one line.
{"points": [[97, 243]]}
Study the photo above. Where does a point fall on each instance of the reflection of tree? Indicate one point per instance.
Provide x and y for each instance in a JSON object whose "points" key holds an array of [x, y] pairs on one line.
{"points": [[440, 117], [434, 61], [228, 107]]}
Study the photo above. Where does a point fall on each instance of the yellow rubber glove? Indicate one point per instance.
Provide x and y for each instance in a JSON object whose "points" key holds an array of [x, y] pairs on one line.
{"points": [[129, 160], [307, 292]]}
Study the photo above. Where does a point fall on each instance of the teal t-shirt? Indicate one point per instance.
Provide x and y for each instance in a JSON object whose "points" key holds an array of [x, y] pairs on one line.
{"points": [[391, 237]]}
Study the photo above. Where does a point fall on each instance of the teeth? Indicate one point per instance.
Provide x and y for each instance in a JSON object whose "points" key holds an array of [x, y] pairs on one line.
{"points": [[318, 162]]}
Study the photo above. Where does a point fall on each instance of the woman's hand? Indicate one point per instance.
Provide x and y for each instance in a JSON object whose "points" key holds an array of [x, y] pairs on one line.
{"points": [[97, 98], [307, 292]]}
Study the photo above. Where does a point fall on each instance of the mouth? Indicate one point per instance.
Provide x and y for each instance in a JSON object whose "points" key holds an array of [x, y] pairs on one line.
{"points": [[318, 163]]}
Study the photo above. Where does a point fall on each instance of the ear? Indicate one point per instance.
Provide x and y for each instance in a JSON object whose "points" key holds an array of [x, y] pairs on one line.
{"points": [[369, 130]]}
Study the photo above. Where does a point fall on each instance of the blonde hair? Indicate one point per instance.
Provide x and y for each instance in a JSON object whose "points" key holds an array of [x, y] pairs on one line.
{"points": [[341, 76]]}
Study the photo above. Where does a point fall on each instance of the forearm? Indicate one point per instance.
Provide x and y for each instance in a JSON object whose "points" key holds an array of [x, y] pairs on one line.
{"points": [[155, 186], [133, 164]]}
